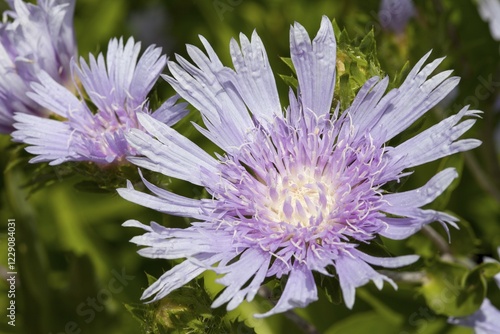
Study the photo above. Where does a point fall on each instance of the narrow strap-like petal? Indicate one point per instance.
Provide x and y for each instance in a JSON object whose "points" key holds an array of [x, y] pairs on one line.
{"points": [[300, 291], [315, 66], [165, 201], [354, 272], [172, 154], [436, 142]]}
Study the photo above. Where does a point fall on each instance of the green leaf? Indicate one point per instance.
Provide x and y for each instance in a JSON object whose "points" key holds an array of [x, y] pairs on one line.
{"points": [[290, 80], [289, 63], [400, 76], [336, 29], [356, 63], [138, 311], [451, 290], [487, 269], [151, 279], [368, 46], [345, 91], [344, 39]]}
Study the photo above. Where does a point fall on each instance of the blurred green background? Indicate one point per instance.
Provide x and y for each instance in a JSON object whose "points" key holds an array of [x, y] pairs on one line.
{"points": [[77, 271]]}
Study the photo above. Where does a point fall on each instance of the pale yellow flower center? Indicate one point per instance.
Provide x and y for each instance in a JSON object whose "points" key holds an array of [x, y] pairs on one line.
{"points": [[300, 198]]}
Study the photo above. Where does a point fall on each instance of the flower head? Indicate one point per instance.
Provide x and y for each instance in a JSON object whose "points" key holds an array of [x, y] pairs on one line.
{"points": [[294, 192], [395, 14], [37, 38], [486, 320], [118, 88]]}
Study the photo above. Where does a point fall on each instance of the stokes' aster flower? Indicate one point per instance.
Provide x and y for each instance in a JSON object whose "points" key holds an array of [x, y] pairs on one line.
{"points": [[294, 192], [117, 86], [486, 320], [39, 37], [395, 14]]}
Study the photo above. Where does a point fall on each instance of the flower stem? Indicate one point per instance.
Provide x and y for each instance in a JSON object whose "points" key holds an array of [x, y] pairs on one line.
{"points": [[439, 241], [404, 276]]}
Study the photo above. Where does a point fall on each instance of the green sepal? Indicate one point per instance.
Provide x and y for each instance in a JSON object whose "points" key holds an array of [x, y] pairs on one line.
{"points": [[185, 310]]}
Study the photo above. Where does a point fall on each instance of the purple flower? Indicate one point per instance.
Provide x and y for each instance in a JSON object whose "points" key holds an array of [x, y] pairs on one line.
{"points": [[395, 14], [118, 88], [293, 192], [38, 38], [486, 320]]}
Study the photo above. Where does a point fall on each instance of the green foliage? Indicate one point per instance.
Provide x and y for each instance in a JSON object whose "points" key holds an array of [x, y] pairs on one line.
{"points": [[452, 290], [356, 63], [185, 311]]}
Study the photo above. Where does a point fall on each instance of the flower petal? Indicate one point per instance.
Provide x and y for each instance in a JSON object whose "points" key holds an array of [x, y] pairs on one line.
{"points": [[50, 140], [436, 142], [121, 63], [165, 201], [253, 78], [173, 279], [171, 153], [223, 111], [252, 263], [416, 96], [396, 203], [354, 272], [408, 204], [386, 262], [53, 96], [169, 112], [486, 320], [490, 12], [315, 66], [147, 71], [365, 109], [300, 291]]}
